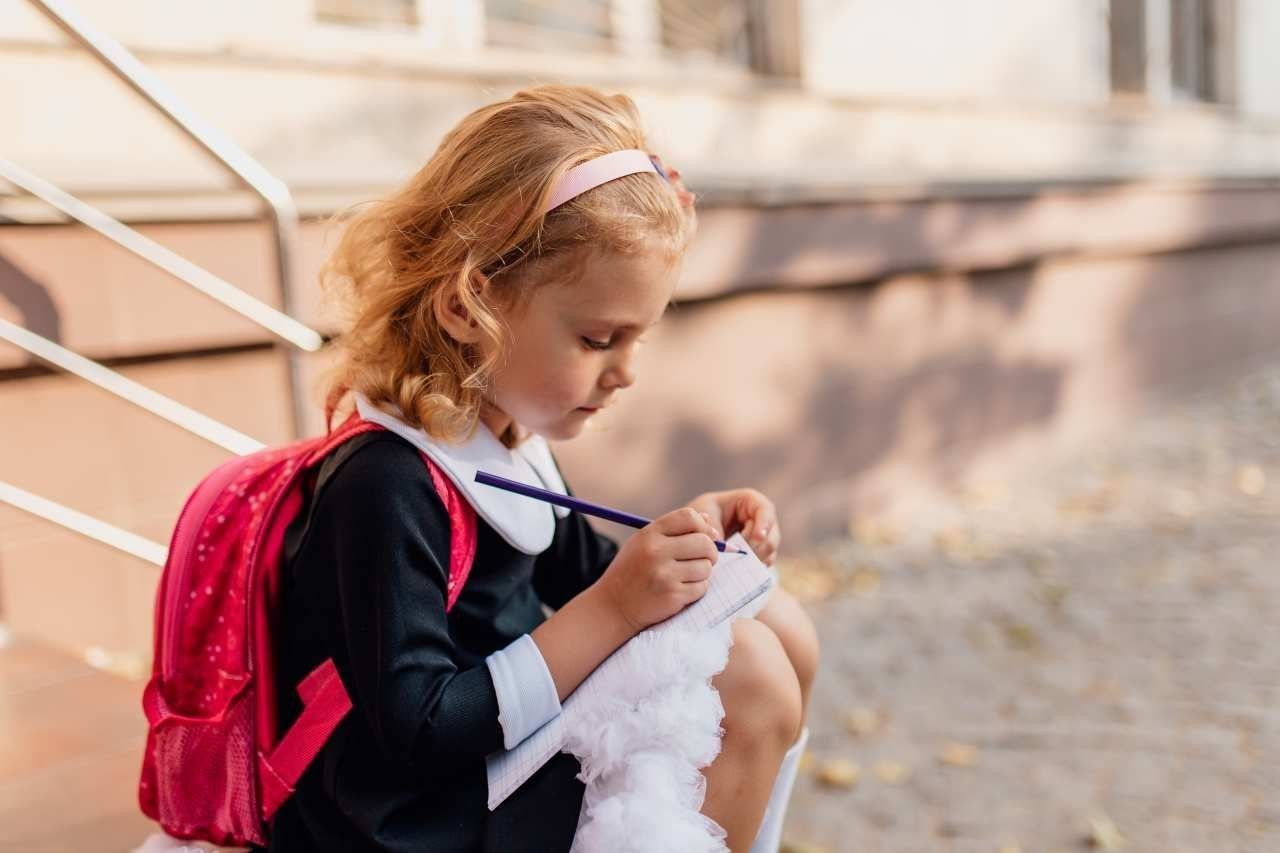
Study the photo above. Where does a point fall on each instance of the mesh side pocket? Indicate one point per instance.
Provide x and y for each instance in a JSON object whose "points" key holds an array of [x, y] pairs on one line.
{"points": [[205, 780]]}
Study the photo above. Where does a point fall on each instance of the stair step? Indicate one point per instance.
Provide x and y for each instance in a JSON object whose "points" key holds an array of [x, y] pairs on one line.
{"points": [[71, 740]]}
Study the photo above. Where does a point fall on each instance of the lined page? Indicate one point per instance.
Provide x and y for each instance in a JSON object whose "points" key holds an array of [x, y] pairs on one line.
{"points": [[736, 581]]}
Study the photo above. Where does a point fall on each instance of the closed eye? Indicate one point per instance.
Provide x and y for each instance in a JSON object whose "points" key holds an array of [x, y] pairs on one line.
{"points": [[596, 345]]}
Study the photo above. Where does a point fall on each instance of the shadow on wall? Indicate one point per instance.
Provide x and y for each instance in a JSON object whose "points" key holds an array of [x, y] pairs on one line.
{"points": [[1001, 348], [36, 309], [854, 413]]}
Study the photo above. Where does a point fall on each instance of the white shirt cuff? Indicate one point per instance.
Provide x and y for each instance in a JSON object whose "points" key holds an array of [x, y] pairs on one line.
{"points": [[527, 697]]}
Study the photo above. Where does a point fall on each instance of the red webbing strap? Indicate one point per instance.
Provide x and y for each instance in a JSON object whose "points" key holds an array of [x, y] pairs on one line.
{"points": [[462, 531], [324, 704]]}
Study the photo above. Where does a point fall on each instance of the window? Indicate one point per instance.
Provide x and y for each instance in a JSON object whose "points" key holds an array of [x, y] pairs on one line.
{"points": [[1198, 49], [1169, 50], [762, 35], [1128, 47], [369, 13], [549, 25]]}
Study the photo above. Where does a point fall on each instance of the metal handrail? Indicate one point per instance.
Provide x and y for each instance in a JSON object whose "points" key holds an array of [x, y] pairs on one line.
{"points": [[108, 380], [279, 324], [123, 540], [250, 173], [130, 391]]}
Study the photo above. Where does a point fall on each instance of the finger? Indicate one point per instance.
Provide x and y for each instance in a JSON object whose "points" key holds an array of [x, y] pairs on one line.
{"points": [[693, 546], [695, 571], [763, 525], [694, 590], [686, 519], [716, 532]]}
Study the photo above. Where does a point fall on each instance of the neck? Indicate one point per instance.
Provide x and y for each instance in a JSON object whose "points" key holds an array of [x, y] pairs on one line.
{"points": [[498, 422]]}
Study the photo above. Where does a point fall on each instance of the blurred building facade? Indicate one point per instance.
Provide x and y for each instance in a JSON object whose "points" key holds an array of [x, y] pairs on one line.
{"points": [[934, 236]]}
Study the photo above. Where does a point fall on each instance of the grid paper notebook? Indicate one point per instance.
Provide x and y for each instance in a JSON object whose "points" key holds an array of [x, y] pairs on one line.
{"points": [[737, 580]]}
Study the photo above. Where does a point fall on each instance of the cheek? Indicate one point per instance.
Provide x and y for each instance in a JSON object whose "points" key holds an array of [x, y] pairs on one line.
{"points": [[557, 377]]}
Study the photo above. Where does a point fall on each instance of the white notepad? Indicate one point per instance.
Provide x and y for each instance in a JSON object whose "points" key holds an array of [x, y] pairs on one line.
{"points": [[736, 581]]}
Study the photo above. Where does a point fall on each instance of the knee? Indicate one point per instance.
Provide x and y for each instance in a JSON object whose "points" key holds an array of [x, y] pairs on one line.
{"points": [[759, 687], [801, 643], [796, 631]]}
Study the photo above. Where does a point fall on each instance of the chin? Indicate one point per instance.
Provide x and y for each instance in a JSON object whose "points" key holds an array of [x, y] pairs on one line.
{"points": [[562, 431]]}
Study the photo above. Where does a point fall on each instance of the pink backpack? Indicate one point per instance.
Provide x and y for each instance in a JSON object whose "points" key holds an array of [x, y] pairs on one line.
{"points": [[214, 768]]}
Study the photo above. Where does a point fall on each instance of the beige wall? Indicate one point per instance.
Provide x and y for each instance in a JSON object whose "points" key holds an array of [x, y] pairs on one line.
{"points": [[994, 51], [859, 375], [1258, 79], [844, 374], [904, 94]]}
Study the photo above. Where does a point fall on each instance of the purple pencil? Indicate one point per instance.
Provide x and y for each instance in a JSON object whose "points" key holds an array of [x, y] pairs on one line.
{"points": [[585, 507]]}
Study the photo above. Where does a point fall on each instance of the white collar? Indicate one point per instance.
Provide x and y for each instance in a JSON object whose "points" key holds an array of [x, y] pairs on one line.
{"points": [[525, 523]]}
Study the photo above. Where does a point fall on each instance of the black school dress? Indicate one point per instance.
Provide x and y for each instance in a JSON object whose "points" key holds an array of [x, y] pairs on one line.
{"points": [[365, 583]]}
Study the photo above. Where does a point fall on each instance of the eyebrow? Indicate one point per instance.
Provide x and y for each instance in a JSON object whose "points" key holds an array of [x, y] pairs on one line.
{"points": [[629, 327]]}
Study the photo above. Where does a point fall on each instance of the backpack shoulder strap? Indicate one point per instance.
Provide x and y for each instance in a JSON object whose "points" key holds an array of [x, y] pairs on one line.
{"points": [[462, 517], [462, 531]]}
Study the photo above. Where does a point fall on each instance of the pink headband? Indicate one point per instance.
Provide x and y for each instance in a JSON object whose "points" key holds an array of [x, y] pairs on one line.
{"points": [[601, 170]]}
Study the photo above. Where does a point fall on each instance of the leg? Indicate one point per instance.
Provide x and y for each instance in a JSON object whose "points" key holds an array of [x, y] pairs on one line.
{"points": [[761, 700], [793, 627]]}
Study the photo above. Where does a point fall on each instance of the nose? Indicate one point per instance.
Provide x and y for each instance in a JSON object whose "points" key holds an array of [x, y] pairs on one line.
{"points": [[621, 373]]}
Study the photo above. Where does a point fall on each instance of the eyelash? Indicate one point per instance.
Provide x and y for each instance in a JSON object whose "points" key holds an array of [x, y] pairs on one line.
{"points": [[600, 346]]}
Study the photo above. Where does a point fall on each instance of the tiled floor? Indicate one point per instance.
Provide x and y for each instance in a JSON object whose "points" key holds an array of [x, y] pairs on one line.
{"points": [[71, 741]]}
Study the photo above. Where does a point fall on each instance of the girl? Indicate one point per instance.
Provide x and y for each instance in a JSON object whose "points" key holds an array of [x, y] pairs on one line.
{"points": [[497, 301]]}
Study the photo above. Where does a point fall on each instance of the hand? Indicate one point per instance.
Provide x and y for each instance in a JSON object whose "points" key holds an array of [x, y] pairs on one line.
{"points": [[744, 510], [661, 569], [687, 199]]}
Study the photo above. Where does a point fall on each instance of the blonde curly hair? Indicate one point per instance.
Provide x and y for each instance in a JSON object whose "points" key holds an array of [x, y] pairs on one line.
{"points": [[475, 207]]}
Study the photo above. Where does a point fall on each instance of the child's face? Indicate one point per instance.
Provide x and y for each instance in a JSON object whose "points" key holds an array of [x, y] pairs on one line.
{"points": [[573, 347]]}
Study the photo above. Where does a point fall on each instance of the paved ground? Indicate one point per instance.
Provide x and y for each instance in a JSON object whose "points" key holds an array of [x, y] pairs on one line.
{"points": [[1084, 656]]}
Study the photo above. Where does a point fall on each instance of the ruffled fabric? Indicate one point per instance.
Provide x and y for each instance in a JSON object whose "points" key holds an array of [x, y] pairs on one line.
{"points": [[160, 842], [643, 731]]}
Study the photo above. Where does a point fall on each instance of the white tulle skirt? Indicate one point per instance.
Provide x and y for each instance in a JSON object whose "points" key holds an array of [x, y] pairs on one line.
{"points": [[643, 738]]}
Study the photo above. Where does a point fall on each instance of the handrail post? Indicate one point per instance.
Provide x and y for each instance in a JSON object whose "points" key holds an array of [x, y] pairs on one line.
{"points": [[246, 170]]}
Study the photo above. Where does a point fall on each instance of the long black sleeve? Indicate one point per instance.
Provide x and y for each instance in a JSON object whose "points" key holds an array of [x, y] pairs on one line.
{"points": [[387, 534]]}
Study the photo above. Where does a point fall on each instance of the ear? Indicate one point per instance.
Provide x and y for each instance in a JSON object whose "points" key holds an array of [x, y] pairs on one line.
{"points": [[453, 316]]}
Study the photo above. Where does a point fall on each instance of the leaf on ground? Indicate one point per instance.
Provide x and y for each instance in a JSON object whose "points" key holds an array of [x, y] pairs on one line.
{"points": [[1251, 480], [1020, 637], [808, 579], [1104, 835], [959, 754], [839, 773], [890, 771], [964, 546], [872, 532], [865, 582], [955, 542], [1086, 504], [864, 721]]}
